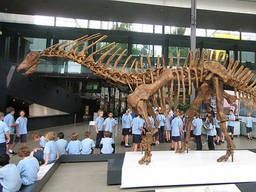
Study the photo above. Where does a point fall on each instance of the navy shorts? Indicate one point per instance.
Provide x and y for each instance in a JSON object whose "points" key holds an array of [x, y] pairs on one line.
{"points": [[176, 138], [218, 131], [136, 138], [39, 155], [125, 131], [192, 133], [22, 138], [156, 134], [2, 148], [11, 139], [230, 129], [248, 129]]}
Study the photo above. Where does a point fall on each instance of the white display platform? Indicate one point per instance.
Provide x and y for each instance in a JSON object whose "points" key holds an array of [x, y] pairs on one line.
{"points": [[209, 188], [168, 168]]}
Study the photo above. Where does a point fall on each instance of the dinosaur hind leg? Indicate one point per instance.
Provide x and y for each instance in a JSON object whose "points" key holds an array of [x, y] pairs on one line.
{"points": [[222, 118], [203, 93], [146, 142]]}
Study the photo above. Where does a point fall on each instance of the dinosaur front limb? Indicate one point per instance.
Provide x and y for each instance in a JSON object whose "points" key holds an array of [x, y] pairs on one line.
{"points": [[218, 85]]}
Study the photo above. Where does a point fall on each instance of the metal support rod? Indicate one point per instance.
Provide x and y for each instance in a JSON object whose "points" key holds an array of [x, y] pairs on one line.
{"points": [[193, 38], [193, 27]]}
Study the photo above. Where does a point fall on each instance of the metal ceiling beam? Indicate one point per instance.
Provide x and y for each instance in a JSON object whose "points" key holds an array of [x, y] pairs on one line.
{"points": [[108, 10]]}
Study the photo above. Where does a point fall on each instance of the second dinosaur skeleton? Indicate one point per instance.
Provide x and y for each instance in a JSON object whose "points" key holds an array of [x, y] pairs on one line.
{"points": [[208, 75]]}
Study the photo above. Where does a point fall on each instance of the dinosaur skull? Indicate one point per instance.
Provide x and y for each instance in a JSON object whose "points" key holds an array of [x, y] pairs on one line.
{"points": [[31, 61]]}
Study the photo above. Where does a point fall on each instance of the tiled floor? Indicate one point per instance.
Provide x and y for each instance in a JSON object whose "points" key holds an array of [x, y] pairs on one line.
{"points": [[100, 169]]}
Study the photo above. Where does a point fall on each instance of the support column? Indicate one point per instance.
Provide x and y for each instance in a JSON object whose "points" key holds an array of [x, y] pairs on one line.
{"points": [[193, 39]]}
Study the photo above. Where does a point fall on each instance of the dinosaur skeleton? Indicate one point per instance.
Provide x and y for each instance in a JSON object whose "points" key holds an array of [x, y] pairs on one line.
{"points": [[208, 75]]}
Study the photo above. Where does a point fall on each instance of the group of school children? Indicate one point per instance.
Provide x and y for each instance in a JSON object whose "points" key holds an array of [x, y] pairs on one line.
{"points": [[171, 128], [12, 177]]}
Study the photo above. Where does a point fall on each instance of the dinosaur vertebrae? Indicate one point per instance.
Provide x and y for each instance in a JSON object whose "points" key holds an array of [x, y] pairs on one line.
{"points": [[196, 72]]}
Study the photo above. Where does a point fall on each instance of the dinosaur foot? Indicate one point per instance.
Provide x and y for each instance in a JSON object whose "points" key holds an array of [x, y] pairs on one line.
{"points": [[145, 159], [184, 148], [226, 156]]}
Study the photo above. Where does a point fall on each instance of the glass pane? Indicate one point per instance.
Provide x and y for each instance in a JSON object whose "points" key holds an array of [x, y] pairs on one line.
{"points": [[35, 44], [147, 28], [248, 36], [70, 22], [201, 32], [142, 50], [94, 24], [158, 29], [248, 57], [136, 27], [27, 19], [157, 50], [223, 34]]}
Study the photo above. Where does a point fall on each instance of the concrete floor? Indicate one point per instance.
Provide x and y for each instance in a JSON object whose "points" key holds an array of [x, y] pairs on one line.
{"points": [[95, 179]]}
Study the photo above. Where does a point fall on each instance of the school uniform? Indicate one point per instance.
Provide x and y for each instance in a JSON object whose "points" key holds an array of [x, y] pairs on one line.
{"points": [[109, 123], [198, 123], [126, 124], [210, 135], [61, 146], [100, 135], [22, 129], [107, 144], [28, 168], [10, 178], [152, 121], [249, 122], [176, 123], [231, 124], [217, 126], [9, 119], [51, 149], [161, 118], [74, 147], [87, 146], [42, 141], [137, 123], [3, 129], [167, 124]]}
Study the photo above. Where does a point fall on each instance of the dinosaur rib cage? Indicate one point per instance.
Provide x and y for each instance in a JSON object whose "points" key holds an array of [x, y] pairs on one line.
{"points": [[193, 70]]}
